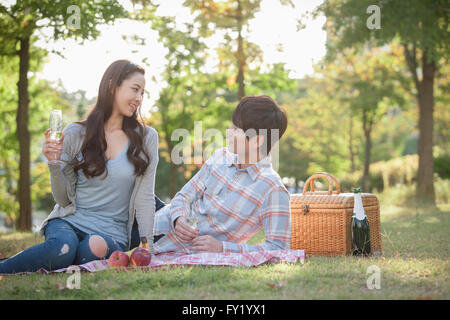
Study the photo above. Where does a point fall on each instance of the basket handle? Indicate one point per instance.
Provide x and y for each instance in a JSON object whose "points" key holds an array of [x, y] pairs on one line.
{"points": [[326, 175]]}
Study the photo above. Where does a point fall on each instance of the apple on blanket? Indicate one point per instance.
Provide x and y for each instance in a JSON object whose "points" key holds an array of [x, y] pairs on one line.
{"points": [[139, 257]]}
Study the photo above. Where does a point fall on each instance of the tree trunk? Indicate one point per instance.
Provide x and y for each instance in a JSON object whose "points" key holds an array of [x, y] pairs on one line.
{"points": [[24, 221], [351, 150], [367, 126], [425, 186], [425, 97], [240, 56]]}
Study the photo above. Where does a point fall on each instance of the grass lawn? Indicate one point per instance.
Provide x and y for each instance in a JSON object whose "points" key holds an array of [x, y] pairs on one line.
{"points": [[414, 265]]}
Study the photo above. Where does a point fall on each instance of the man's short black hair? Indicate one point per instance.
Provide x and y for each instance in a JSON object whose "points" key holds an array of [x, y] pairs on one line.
{"points": [[259, 113]]}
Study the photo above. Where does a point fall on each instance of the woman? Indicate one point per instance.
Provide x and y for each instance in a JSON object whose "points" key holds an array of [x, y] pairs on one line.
{"points": [[105, 184]]}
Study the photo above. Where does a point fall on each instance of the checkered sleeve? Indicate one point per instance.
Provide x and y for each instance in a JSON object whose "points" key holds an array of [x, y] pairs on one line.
{"points": [[193, 190], [275, 218]]}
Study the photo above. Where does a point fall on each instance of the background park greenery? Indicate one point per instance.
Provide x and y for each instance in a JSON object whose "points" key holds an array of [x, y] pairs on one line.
{"points": [[375, 113]]}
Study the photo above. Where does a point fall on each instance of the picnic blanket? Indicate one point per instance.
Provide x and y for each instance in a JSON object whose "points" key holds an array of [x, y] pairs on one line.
{"points": [[247, 259]]}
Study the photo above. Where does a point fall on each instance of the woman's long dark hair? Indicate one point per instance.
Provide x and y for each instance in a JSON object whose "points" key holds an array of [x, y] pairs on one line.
{"points": [[93, 162]]}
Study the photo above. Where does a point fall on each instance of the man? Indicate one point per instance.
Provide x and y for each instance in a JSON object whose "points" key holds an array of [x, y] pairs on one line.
{"points": [[235, 193]]}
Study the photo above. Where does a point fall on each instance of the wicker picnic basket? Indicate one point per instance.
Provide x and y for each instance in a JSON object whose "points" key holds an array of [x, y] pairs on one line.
{"points": [[321, 220]]}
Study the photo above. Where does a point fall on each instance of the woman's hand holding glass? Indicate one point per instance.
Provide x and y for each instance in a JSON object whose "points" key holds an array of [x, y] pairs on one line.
{"points": [[52, 149]]}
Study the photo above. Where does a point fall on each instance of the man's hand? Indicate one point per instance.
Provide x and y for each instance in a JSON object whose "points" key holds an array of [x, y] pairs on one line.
{"points": [[183, 231], [206, 243]]}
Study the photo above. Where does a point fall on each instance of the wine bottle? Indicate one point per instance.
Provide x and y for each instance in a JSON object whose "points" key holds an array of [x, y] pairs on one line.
{"points": [[360, 227]]}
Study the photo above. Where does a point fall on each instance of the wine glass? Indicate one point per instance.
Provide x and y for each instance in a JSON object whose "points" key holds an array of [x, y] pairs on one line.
{"points": [[191, 220], [56, 126]]}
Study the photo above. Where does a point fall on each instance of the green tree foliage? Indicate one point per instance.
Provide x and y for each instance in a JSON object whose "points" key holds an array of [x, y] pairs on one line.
{"points": [[231, 17], [43, 98], [422, 26], [363, 81], [315, 139], [19, 22], [189, 93]]}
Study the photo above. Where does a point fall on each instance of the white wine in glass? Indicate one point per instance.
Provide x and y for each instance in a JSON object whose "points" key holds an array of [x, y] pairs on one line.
{"points": [[192, 221], [56, 126]]}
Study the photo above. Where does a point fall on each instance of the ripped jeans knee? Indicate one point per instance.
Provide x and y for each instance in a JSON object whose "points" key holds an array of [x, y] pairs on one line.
{"points": [[64, 245], [96, 247]]}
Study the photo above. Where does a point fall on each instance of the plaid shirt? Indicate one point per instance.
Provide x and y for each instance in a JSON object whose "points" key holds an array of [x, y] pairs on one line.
{"points": [[231, 205]]}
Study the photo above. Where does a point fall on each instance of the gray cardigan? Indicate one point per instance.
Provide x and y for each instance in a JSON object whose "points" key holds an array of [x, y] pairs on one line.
{"points": [[63, 182]]}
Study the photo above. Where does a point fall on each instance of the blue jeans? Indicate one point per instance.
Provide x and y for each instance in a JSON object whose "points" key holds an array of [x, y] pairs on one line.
{"points": [[64, 245]]}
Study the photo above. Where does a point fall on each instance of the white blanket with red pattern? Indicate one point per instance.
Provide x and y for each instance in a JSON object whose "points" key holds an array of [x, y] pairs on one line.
{"points": [[247, 259]]}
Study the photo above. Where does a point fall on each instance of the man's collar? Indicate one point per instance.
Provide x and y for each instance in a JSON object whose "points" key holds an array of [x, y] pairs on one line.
{"points": [[230, 158], [257, 167], [254, 169]]}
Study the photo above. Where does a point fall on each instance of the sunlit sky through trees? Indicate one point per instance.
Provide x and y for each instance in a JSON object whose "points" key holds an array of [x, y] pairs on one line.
{"points": [[274, 29]]}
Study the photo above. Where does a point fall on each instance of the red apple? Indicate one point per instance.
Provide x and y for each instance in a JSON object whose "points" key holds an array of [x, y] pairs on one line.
{"points": [[140, 257], [118, 259]]}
